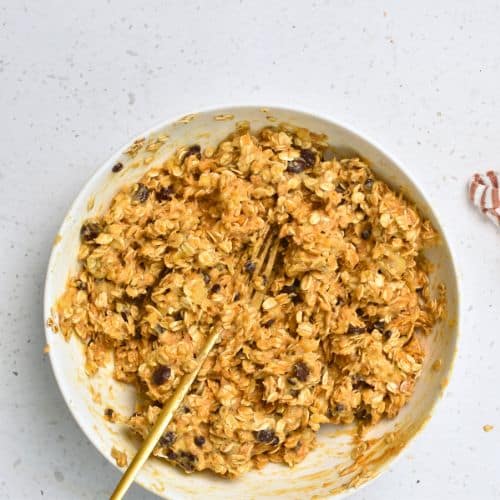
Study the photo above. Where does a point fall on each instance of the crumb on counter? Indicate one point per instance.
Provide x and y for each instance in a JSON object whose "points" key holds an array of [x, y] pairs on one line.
{"points": [[488, 428]]}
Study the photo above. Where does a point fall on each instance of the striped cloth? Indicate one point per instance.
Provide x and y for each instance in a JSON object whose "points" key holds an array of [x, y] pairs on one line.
{"points": [[484, 192]]}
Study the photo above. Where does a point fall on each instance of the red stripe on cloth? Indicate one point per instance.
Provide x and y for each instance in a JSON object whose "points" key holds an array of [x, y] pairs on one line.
{"points": [[472, 190], [482, 202], [495, 202], [493, 178]]}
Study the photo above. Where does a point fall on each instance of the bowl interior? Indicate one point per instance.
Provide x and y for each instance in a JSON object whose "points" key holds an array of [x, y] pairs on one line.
{"points": [[326, 470]]}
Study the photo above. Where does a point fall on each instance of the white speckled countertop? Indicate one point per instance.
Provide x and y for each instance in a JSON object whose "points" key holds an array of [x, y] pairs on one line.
{"points": [[78, 80]]}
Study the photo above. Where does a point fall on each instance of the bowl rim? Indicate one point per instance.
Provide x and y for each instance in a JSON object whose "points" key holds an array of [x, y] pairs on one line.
{"points": [[48, 301]]}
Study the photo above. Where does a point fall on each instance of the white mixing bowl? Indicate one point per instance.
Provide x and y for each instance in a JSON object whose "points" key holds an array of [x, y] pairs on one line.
{"points": [[325, 471]]}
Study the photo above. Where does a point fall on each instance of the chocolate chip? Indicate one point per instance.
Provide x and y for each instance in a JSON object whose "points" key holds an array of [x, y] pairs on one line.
{"points": [[165, 194], [340, 188], [117, 167], [269, 323], [178, 316], [358, 382], [206, 277], [249, 267], [309, 157], [294, 392], [195, 149], [108, 412], [366, 233], [339, 407], [188, 456], [137, 333], [301, 371], [171, 455], [362, 414], [215, 288], [168, 438], [81, 285], [369, 184], [157, 403], [199, 441], [236, 297], [124, 316], [90, 231], [186, 460], [379, 325], [360, 311], [159, 329], [161, 374], [355, 329], [296, 299], [291, 288], [275, 441], [142, 193], [186, 409], [264, 436], [296, 166], [387, 334]]}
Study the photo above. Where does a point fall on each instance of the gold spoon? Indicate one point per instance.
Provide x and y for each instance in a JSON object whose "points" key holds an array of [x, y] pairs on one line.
{"points": [[268, 249]]}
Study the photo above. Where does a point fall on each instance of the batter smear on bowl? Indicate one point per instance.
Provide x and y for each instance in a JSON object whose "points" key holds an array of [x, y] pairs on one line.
{"points": [[338, 336]]}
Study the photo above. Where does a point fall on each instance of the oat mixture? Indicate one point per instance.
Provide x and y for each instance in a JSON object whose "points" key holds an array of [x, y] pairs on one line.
{"points": [[337, 338]]}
